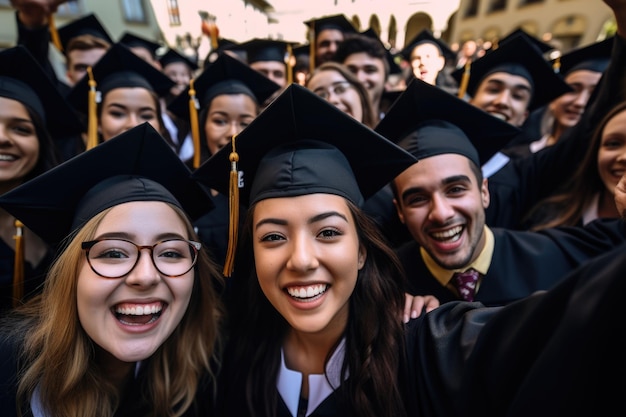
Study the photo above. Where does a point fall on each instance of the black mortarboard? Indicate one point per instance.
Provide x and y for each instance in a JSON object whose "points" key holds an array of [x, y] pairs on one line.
{"points": [[426, 36], [87, 25], [394, 68], [22, 79], [299, 145], [337, 22], [224, 44], [118, 68], [226, 75], [541, 45], [294, 119], [62, 199], [264, 50], [594, 57], [518, 57], [172, 56], [135, 41], [426, 121]]}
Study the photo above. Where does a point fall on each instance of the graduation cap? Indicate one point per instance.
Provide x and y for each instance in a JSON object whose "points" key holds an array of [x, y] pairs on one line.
{"points": [[172, 56], [227, 75], [268, 50], [539, 44], [519, 57], [594, 57], [137, 165], [334, 22], [87, 25], [426, 36], [224, 44], [118, 68], [426, 121], [301, 144], [22, 79], [135, 41], [355, 43]]}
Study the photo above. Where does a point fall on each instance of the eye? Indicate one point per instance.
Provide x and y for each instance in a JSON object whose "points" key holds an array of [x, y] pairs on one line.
{"points": [[272, 237], [329, 233]]}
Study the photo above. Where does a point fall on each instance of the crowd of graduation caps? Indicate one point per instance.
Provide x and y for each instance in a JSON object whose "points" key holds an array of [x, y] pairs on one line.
{"points": [[541, 158]]}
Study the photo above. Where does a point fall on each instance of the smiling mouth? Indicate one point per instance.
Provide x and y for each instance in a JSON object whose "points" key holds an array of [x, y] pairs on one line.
{"points": [[450, 235], [308, 293], [135, 315]]}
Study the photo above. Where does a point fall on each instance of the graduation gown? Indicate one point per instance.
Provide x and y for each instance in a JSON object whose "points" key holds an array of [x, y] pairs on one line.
{"points": [[522, 262]]}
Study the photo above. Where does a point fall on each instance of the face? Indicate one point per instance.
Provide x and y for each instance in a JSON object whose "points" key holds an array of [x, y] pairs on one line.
{"points": [[426, 61], [326, 45], [612, 152], [19, 145], [79, 60], [127, 107], [228, 115], [146, 55], [180, 73], [307, 256], [275, 71], [334, 88], [568, 108], [108, 307], [370, 71], [504, 96], [443, 207]]}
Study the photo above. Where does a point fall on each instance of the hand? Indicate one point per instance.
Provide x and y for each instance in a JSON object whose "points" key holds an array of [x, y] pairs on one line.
{"points": [[619, 11], [35, 13], [620, 197], [414, 304]]}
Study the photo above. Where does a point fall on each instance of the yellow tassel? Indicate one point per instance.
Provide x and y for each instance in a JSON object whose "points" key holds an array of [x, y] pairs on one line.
{"points": [[18, 269], [193, 121], [290, 64], [556, 66], [54, 33], [233, 205], [465, 79], [92, 111]]}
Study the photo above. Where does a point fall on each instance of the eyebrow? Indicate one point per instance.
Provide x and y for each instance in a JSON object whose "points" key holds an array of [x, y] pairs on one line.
{"points": [[314, 219], [445, 181], [502, 83]]}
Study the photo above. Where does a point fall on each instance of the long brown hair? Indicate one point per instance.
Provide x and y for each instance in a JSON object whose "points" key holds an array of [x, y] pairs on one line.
{"points": [[58, 355]]}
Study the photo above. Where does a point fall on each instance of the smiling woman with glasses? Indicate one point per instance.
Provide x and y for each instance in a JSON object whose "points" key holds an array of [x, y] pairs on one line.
{"points": [[334, 83]]}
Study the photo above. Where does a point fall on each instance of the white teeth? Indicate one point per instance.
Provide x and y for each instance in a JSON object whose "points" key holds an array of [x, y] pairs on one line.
{"points": [[499, 116], [307, 292], [7, 157], [453, 234], [139, 310]]}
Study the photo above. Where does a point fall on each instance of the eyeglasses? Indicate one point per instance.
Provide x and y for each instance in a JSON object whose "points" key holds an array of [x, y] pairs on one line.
{"points": [[114, 258], [337, 88]]}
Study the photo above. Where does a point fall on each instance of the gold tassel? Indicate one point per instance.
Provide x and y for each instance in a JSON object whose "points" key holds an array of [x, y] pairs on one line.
{"points": [[464, 79], [556, 66], [92, 111], [193, 121], [233, 205], [18, 269], [290, 64], [54, 33]]}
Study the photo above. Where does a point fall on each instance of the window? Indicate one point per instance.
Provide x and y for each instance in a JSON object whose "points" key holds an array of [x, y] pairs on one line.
{"points": [[71, 8], [173, 12], [134, 11], [472, 8], [497, 5]]}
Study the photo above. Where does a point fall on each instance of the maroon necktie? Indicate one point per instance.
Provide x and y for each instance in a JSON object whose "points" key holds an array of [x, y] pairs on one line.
{"points": [[465, 283]]}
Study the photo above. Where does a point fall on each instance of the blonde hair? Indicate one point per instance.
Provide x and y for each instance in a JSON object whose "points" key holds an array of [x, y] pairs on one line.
{"points": [[60, 357]]}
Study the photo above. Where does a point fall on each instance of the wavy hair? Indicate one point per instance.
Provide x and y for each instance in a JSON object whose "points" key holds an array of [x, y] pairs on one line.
{"points": [[59, 358]]}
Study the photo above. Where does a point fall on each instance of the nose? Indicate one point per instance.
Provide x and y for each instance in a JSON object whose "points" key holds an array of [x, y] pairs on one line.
{"points": [[144, 274], [4, 136], [441, 210], [582, 98], [503, 98], [302, 257]]}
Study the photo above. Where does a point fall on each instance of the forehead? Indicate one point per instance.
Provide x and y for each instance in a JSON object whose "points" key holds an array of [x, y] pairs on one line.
{"points": [[425, 49], [329, 35], [505, 79], [433, 170], [267, 65], [360, 59], [583, 77], [324, 77]]}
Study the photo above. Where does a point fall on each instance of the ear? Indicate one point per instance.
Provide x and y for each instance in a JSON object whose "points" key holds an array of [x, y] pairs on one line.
{"points": [[362, 257], [398, 210], [484, 193]]}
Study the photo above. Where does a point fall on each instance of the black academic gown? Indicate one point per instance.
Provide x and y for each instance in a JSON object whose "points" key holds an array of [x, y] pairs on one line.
{"points": [[523, 182], [522, 262]]}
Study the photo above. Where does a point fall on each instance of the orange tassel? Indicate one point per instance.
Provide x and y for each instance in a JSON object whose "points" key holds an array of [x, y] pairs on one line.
{"points": [[54, 33], [290, 64], [464, 79], [193, 121], [233, 205], [92, 112], [556, 66], [18, 270]]}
